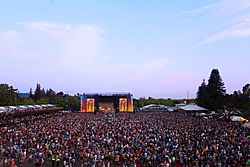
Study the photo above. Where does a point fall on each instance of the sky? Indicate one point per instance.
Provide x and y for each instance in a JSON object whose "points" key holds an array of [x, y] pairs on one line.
{"points": [[161, 49]]}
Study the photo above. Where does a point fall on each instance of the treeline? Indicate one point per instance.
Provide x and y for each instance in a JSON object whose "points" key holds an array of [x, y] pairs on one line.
{"points": [[213, 95], [167, 102], [146, 101], [10, 96]]}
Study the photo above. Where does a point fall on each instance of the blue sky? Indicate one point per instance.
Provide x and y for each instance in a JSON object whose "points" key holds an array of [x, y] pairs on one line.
{"points": [[149, 48]]}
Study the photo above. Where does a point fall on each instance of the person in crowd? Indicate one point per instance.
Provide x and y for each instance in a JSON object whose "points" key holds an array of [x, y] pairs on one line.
{"points": [[124, 139]]}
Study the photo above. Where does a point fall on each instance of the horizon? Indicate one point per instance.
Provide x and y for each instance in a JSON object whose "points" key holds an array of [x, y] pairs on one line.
{"points": [[148, 48]]}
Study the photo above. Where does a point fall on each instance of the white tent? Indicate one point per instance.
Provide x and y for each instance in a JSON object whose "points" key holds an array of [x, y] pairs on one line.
{"points": [[12, 107], [3, 108], [192, 107], [30, 106], [154, 107], [22, 107], [38, 106]]}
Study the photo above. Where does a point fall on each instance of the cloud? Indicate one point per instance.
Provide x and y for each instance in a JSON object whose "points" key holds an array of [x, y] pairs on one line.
{"points": [[239, 30], [232, 15], [70, 57], [221, 7], [53, 44], [198, 10], [233, 6], [151, 68]]}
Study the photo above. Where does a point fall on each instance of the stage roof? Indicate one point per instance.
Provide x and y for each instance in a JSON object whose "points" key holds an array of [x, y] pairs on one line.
{"points": [[107, 93]]}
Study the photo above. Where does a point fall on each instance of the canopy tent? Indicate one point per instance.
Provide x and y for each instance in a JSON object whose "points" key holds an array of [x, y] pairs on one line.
{"points": [[154, 107], [170, 109], [30, 106], [192, 107], [37, 106], [50, 105], [3, 108], [23, 107], [238, 119], [12, 107], [8, 108]]}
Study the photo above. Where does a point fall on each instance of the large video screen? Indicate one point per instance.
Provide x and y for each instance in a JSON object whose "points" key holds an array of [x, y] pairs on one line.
{"points": [[90, 107], [87, 104], [123, 104]]}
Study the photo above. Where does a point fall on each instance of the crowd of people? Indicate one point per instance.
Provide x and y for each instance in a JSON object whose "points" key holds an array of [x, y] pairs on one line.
{"points": [[125, 139], [13, 116]]}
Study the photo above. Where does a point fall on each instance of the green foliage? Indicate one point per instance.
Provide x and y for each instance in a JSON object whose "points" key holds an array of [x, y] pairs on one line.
{"points": [[42, 101], [212, 95], [60, 102], [8, 95], [202, 96], [38, 92], [215, 91], [31, 94], [73, 103], [239, 100], [143, 101], [26, 101]]}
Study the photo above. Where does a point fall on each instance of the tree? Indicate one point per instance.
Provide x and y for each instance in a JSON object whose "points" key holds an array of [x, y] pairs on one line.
{"points": [[8, 95], [215, 91], [60, 102], [136, 102], [43, 94], [60, 94], [245, 97], [38, 92], [51, 95], [27, 101], [246, 90], [202, 95], [73, 103], [42, 101], [31, 94]]}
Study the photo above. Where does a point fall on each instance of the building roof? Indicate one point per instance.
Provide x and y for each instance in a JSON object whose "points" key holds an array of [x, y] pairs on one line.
{"points": [[192, 107], [154, 106]]}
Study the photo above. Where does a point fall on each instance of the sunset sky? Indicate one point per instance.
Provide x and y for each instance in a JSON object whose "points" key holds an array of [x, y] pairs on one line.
{"points": [[154, 48]]}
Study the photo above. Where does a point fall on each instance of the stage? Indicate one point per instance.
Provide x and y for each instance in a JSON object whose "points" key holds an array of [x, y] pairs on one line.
{"points": [[106, 102]]}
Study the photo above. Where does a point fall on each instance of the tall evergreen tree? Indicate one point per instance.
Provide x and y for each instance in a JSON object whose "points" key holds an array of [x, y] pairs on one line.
{"points": [[202, 95], [246, 90], [215, 91], [31, 94], [245, 97], [43, 93], [38, 92]]}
